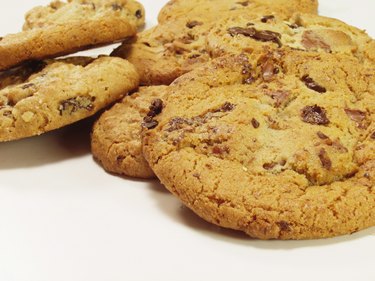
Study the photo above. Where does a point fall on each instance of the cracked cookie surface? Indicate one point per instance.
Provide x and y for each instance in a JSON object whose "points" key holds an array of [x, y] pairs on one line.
{"points": [[43, 96], [64, 27], [173, 48], [116, 136], [279, 145]]}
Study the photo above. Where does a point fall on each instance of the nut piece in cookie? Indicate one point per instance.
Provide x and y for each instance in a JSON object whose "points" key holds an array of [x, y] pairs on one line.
{"points": [[275, 158], [116, 136], [64, 27], [43, 96]]}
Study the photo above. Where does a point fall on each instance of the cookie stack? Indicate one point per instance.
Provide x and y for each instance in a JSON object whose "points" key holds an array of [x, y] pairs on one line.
{"points": [[37, 96], [258, 115]]}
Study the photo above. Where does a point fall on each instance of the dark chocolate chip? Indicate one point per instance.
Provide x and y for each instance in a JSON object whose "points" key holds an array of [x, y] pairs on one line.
{"points": [[149, 123], [265, 19], [72, 105], [284, 226], [260, 35], [293, 26], [322, 136], [268, 70], [138, 14], [367, 175], [227, 107], [194, 23], [372, 136], [269, 166], [324, 159], [255, 123], [311, 84], [155, 108], [315, 115]]}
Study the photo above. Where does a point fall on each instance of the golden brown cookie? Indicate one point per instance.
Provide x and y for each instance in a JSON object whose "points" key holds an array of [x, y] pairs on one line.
{"points": [[62, 28], [116, 136], [167, 51], [279, 145], [44, 96], [213, 9]]}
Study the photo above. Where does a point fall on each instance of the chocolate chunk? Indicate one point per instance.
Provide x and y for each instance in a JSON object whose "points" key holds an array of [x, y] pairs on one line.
{"points": [[367, 175], [149, 123], [284, 226], [293, 26], [260, 35], [247, 70], [269, 70], [138, 14], [315, 115], [72, 105], [244, 3], [194, 23], [255, 123], [311, 84], [155, 108], [311, 40], [372, 136], [265, 19], [324, 159], [322, 136], [357, 116], [118, 7], [227, 107], [269, 166]]}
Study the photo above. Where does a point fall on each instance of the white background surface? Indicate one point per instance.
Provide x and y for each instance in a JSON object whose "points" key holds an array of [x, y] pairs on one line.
{"points": [[63, 218]]}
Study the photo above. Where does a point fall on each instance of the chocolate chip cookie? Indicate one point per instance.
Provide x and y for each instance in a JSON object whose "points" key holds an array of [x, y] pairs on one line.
{"points": [[64, 27], [279, 145], [167, 51], [43, 96], [211, 10], [116, 136]]}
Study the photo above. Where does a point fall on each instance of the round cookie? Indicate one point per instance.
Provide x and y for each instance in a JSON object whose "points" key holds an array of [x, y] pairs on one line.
{"points": [[210, 10], [290, 156], [62, 28], [173, 48], [116, 136], [41, 97]]}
